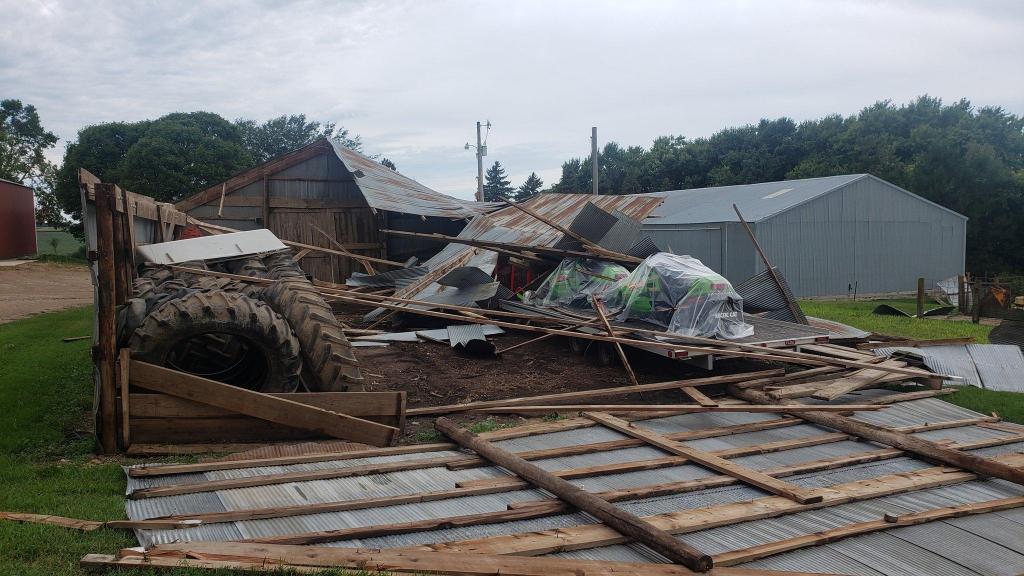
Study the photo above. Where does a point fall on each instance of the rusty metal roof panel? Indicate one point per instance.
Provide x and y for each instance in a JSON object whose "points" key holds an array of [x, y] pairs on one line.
{"points": [[386, 189]]}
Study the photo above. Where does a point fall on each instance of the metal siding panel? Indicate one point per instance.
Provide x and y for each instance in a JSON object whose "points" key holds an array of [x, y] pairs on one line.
{"points": [[702, 242]]}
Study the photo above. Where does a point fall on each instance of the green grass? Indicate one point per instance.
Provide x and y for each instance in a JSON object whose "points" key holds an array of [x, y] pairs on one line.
{"points": [[858, 314], [1009, 405], [487, 425], [67, 245], [46, 465]]}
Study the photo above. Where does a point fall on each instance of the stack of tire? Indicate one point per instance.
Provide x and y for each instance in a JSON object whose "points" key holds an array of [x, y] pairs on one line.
{"points": [[273, 336]]}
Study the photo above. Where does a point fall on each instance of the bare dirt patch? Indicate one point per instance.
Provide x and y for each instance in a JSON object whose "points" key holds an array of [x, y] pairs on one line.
{"points": [[35, 287]]}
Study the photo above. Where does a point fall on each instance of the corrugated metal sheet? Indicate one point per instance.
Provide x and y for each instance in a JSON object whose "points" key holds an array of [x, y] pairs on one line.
{"points": [[385, 189], [989, 366], [761, 294], [962, 546], [463, 334], [838, 330]]}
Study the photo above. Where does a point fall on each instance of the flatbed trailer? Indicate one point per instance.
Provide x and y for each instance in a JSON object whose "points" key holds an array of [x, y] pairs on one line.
{"points": [[768, 333]]}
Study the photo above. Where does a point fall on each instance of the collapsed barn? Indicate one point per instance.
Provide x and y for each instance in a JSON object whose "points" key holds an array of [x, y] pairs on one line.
{"points": [[790, 460], [350, 198]]}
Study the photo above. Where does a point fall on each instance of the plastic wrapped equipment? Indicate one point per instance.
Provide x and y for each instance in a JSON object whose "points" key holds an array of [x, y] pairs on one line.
{"points": [[574, 280], [681, 294]]}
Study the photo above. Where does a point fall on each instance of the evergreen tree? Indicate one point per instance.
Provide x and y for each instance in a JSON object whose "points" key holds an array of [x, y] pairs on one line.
{"points": [[530, 188], [497, 186]]}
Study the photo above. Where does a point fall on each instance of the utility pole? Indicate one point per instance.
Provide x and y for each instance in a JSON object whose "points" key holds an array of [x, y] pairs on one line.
{"points": [[481, 151], [593, 158]]}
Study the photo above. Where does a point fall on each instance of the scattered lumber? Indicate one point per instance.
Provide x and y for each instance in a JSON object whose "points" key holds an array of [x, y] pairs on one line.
{"points": [[770, 549], [918, 446], [623, 522], [806, 389], [709, 460], [262, 406], [704, 345], [908, 396], [306, 559], [599, 392], [633, 493], [599, 308], [90, 525], [856, 381], [675, 408], [592, 246], [694, 520], [699, 397], [914, 343]]}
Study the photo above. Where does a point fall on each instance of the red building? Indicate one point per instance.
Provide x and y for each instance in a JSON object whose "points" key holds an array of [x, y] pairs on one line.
{"points": [[17, 220]]}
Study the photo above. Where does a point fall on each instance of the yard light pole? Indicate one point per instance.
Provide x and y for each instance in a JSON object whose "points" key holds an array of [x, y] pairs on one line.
{"points": [[481, 151]]}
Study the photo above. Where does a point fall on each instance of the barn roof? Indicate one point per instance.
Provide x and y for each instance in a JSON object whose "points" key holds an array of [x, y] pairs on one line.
{"points": [[383, 188], [756, 201]]}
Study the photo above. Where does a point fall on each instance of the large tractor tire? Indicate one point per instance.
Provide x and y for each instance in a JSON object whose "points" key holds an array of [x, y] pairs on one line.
{"points": [[329, 364], [223, 336]]}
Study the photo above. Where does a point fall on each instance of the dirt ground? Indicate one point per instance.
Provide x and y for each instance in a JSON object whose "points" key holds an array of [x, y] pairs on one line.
{"points": [[434, 374], [34, 287]]}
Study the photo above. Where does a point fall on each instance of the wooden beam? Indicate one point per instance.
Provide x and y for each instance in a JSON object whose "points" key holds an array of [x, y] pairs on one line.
{"points": [[624, 522], [596, 393], [124, 379], [106, 353], [753, 553], [675, 408], [364, 260], [262, 406], [908, 396], [593, 246], [698, 396], [694, 520], [794, 308], [709, 460], [914, 445], [520, 250], [856, 381], [599, 308], [305, 559], [915, 343]]}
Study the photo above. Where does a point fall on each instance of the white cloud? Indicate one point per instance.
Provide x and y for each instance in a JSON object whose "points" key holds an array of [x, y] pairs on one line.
{"points": [[413, 77]]}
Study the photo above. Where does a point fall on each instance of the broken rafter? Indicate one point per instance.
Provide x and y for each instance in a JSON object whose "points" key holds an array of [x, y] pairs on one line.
{"points": [[623, 522], [709, 460], [676, 408], [598, 392]]}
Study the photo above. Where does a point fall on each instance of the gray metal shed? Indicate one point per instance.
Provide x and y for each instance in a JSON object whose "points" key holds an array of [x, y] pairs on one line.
{"points": [[828, 235]]}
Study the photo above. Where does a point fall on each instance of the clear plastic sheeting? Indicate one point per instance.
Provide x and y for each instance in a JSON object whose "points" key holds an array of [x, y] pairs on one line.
{"points": [[575, 280], [681, 294]]}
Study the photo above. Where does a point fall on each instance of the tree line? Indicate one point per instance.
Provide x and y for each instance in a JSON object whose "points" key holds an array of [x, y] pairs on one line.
{"points": [[968, 159]]}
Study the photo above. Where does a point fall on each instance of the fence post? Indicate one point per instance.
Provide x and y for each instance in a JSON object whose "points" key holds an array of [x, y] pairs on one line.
{"points": [[920, 297], [106, 324], [961, 294], [976, 311]]}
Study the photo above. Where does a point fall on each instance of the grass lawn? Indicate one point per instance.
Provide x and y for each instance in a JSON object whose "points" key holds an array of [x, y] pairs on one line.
{"points": [[1009, 405], [67, 244]]}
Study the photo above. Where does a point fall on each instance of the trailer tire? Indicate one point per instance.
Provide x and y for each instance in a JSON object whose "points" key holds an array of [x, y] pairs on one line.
{"points": [[223, 336]]}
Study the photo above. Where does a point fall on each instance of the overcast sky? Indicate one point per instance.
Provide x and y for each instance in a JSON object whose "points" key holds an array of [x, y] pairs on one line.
{"points": [[412, 78]]}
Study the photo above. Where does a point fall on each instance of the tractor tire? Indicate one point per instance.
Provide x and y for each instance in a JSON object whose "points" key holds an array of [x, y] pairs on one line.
{"points": [[330, 365], [223, 336]]}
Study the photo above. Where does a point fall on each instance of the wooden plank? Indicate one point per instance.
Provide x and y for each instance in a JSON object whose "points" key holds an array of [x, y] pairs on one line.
{"points": [[369, 405], [216, 430], [287, 477], [675, 408], [699, 397], [599, 308], [123, 373], [61, 521], [804, 390], [694, 520], [837, 352], [596, 393], [305, 559], [709, 460], [856, 381], [818, 538], [824, 371], [261, 406], [105, 354], [624, 522], [912, 444], [908, 396], [168, 469], [915, 343]]}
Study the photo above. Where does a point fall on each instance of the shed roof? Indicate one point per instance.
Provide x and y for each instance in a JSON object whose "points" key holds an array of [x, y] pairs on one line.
{"points": [[13, 183], [383, 188], [756, 201]]}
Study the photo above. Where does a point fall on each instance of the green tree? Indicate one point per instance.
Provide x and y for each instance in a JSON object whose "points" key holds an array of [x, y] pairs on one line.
{"points": [[283, 134], [389, 164], [23, 142], [530, 188], [497, 186]]}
